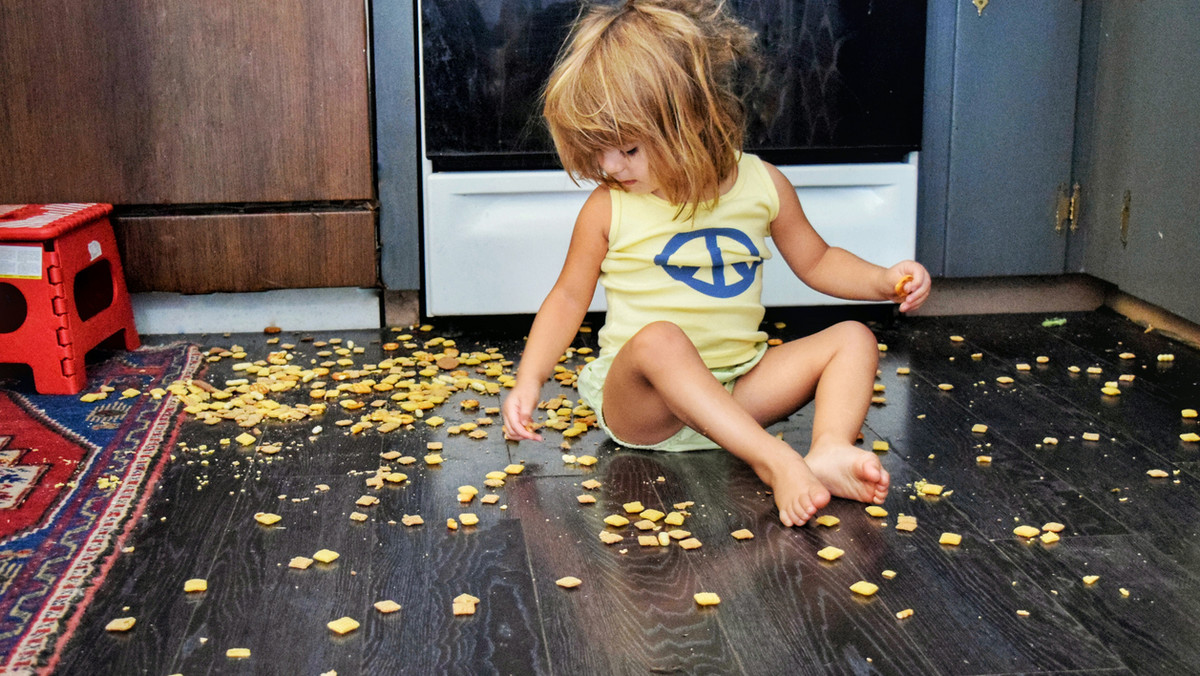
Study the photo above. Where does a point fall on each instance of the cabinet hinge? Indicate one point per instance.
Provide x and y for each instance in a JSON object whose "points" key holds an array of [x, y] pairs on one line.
{"points": [[1066, 213]]}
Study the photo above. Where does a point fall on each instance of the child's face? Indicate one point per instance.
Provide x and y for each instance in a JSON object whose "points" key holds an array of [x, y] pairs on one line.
{"points": [[629, 165]]}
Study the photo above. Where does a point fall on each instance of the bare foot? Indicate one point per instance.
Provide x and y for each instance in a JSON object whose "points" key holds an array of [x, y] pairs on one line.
{"points": [[798, 492], [849, 472]]}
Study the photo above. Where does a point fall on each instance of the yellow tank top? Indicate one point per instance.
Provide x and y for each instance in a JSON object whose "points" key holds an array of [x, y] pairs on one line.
{"points": [[704, 274]]}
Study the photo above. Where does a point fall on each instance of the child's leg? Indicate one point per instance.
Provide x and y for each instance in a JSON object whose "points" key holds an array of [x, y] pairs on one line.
{"points": [[836, 368], [658, 384]]}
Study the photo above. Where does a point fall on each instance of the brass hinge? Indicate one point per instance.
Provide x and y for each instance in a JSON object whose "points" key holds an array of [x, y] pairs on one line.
{"points": [[1066, 213]]}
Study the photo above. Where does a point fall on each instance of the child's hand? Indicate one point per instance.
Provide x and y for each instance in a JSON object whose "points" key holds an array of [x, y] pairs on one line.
{"points": [[911, 284], [517, 410]]}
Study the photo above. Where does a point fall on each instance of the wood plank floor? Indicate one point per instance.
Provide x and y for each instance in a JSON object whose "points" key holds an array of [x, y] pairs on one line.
{"points": [[996, 604]]}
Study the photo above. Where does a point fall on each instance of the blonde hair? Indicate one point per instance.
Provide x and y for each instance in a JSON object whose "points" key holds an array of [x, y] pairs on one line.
{"points": [[658, 73]]}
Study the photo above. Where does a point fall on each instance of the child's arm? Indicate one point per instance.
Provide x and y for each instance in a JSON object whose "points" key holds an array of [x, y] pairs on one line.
{"points": [[560, 315], [833, 270]]}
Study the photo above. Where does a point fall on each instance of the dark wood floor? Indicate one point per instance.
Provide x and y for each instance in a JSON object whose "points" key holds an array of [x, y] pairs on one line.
{"points": [[783, 609]]}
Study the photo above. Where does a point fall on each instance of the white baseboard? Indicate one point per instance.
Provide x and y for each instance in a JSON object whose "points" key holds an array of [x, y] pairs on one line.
{"points": [[289, 309]]}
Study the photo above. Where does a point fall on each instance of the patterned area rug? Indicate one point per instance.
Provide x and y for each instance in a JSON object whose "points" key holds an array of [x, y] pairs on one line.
{"points": [[74, 477]]}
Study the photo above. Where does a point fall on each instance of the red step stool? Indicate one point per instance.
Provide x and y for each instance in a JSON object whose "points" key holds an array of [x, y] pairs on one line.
{"points": [[62, 290]]}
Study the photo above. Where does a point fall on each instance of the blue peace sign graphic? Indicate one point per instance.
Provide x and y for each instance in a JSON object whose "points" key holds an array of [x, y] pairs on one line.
{"points": [[717, 288]]}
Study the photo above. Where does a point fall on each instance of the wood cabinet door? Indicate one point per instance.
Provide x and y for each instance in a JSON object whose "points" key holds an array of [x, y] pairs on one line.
{"points": [[152, 102], [1011, 137], [1139, 155]]}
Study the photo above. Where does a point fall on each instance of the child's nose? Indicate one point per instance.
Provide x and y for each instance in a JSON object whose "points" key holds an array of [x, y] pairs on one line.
{"points": [[612, 161]]}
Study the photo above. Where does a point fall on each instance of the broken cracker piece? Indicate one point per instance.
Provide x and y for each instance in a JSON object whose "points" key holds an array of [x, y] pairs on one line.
{"points": [[742, 534], [904, 614], [267, 518], [609, 537]]}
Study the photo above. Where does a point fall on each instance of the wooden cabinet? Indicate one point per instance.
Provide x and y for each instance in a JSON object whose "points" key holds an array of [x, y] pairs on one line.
{"points": [[1139, 145], [999, 130], [180, 106]]}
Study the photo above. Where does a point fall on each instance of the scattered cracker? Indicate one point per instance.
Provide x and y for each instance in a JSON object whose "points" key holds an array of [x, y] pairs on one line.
{"points": [[237, 653], [387, 606], [195, 585], [120, 624], [586, 499], [876, 511], [568, 582], [468, 519], [742, 534], [831, 553], [706, 598], [343, 625], [864, 588], [690, 543], [326, 556], [267, 518], [1157, 473], [880, 445], [904, 614], [514, 469], [609, 537], [411, 520], [490, 499], [591, 484], [616, 520], [888, 574], [300, 562], [634, 507], [1050, 538], [979, 428], [649, 541], [1027, 531], [828, 520], [952, 539]]}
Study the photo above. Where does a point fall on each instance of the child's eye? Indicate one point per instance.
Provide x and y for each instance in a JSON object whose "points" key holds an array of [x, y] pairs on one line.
{"points": [[631, 151]]}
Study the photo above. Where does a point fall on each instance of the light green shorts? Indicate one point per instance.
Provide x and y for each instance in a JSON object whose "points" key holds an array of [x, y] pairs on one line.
{"points": [[591, 390]]}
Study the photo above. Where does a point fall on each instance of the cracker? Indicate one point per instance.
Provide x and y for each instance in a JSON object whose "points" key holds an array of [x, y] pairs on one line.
{"points": [[945, 387], [586, 499], [876, 511], [1050, 538], [1091, 436], [679, 534], [568, 582], [664, 540], [1027, 531], [952, 539], [690, 543], [742, 534], [490, 499], [463, 608], [888, 574], [880, 445], [326, 556], [343, 625], [591, 484], [831, 553], [1190, 437], [1188, 413], [644, 524], [237, 653], [1090, 579], [864, 588], [367, 501], [904, 614], [267, 518], [634, 507], [300, 562], [932, 489], [451, 524], [434, 459], [652, 515], [412, 520], [586, 460], [983, 459], [706, 598], [616, 520], [979, 428], [514, 469], [387, 606], [120, 624], [673, 519], [898, 290], [649, 541], [1157, 473], [609, 537], [468, 519], [1053, 527], [195, 585], [828, 520]]}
